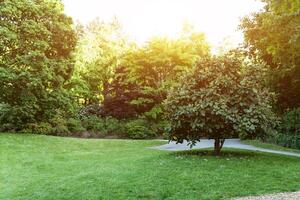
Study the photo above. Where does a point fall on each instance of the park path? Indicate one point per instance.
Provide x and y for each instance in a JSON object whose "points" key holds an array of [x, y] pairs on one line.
{"points": [[230, 143], [278, 196]]}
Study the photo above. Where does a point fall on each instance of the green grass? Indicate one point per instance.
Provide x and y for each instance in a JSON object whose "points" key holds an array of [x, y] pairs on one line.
{"points": [[260, 144], [44, 167]]}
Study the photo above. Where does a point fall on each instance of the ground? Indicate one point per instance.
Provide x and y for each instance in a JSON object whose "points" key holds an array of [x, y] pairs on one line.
{"points": [[45, 167]]}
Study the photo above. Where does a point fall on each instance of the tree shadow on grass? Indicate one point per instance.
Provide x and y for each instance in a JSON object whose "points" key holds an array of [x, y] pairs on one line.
{"points": [[225, 153]]}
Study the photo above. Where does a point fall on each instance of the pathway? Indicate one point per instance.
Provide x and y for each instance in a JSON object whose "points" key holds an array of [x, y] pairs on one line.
{"points": [[230, 143]]}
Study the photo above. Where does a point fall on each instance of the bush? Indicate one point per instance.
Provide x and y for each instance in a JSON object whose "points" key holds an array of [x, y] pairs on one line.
{"points": [[291, 122], [91, 110], [290, 141], [138, 129], [42, 128], [114, 126], [289, 130], [160, 127], [59, 125], [95, 124], [75, 126], [7, 127]]}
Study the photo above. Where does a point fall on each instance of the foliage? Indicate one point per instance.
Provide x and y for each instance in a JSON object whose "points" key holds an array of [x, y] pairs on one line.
{"points": [[89, 110], [104, 126], [274, 36], [120, 94], [114, 126], [36, 41], [59, 124], [138, 129], [285, 140], [153, 67], [98, 53], [43, 128], [94, 123], [75, 126], [288, 134], [221, 97], [291, 122]]}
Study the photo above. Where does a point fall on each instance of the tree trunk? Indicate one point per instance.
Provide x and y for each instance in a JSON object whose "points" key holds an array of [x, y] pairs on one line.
{"points": [[105, 90], [218, 146]]}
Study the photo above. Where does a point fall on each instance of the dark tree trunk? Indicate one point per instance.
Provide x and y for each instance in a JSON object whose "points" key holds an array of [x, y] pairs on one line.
{"points": [[105, 90], [218, 146]]}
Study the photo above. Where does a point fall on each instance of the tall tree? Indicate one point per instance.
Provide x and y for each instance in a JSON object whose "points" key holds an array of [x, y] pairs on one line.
{"points": [[36, 42], [155, 66], [98, 53], [274, 35]]}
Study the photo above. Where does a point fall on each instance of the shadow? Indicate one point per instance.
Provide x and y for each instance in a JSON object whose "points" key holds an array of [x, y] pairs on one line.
{"points": [[225, 153]]}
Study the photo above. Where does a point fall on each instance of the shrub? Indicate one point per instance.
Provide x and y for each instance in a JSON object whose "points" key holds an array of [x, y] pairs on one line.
{"points": [[288, 134], [160, 127], [95, 124], [59, 125], [42, 128], [7, 127], [138, 129], [290, 141], [75, 126], [291, 122], [91, 110], [114, 126]]}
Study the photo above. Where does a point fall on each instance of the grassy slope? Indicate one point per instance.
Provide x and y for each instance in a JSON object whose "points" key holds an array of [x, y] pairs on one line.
{"points": [[260, 144], [43, 167]]}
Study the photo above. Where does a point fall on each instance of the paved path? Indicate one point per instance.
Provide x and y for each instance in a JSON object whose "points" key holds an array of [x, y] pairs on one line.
{"points": [[278, 196], [231, 143]]}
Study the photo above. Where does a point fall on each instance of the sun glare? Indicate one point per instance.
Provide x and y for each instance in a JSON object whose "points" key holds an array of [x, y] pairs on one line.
{"points": [[141, 19]]}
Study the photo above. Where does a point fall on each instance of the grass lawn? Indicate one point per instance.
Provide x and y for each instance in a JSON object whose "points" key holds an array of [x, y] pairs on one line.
{"points": [[44, 167], [260, 144]]}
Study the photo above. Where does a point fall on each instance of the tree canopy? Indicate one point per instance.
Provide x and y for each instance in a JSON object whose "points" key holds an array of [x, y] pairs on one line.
{"points": [[221, 97], [36, 42], [274, 36]]}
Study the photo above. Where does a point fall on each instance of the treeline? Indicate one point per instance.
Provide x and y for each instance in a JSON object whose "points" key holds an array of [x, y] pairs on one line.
{"points": [[61, 78]]}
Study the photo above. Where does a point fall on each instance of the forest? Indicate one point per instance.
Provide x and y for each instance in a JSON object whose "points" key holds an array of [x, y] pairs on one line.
{"points": [[60, 77]]}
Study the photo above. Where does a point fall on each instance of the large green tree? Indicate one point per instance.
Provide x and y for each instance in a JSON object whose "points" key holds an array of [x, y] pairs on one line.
{"points": [[36, 43], [156, 65], [221, 97], [98, 53], [274, 35]]}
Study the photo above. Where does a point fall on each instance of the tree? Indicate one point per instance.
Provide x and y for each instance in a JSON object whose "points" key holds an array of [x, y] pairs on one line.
{"points": [[36, 42], [155, 66], [120, 94], [221, 97], [274, 36], [99, 50]]}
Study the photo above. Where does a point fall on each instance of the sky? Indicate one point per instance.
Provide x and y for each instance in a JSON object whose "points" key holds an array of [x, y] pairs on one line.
{"points": [[142, 19]]}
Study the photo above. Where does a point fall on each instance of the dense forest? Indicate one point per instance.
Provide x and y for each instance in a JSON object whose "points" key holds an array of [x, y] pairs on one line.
{"points": [[58, 77]]}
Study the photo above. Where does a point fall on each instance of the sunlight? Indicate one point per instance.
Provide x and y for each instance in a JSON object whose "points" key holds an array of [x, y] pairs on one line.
{"points": [[142, 19]]}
